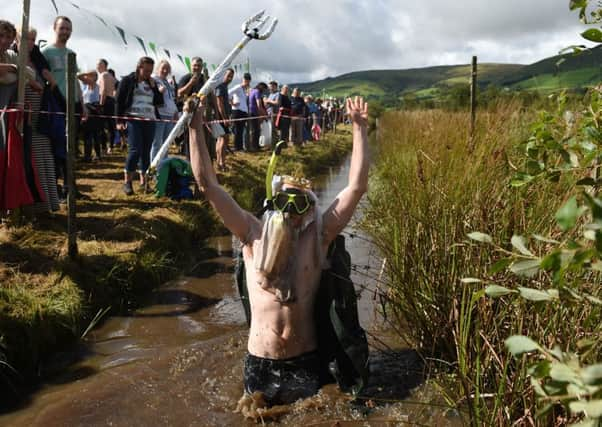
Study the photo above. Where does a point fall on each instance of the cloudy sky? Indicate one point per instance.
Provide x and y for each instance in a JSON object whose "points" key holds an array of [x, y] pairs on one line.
{"points": [[315, 38]]}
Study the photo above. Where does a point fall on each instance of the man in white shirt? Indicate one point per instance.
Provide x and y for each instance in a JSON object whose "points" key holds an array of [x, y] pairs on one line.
{"points": [[239, 97]]}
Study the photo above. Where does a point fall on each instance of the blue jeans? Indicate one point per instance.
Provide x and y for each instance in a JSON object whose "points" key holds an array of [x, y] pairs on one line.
{"points": [[140, 139], [162, 130]]}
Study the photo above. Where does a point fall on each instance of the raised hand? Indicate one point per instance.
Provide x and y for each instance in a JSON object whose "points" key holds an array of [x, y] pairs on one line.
{"points": [[357, 109]]}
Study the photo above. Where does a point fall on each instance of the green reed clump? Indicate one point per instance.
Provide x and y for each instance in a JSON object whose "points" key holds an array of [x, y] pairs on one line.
{"points": [[431, 186]]}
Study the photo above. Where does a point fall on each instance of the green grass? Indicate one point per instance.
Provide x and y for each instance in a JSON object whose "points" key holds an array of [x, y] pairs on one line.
{"points": [[430, 187], [563, 80]]}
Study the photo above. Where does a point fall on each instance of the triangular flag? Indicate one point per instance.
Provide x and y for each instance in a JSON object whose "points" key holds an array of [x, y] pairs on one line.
{"points": [[213, 66], [74, 5], [100, 19], [181, 60], [187, 59], [153, 47], [55, 8], [142, 44], [167, 53], [122, 34]]}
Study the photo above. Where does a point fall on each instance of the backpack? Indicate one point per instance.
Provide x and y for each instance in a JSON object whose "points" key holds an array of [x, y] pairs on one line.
{"points": [[342, 343]]}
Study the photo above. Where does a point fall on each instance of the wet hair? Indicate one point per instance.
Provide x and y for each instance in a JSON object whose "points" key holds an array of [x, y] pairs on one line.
{"points": [[58, 18], [273, 83], [111, 72], [261, 86], [196, 59], [8, 27], [246, 76], [104, 61], [230, 69]]}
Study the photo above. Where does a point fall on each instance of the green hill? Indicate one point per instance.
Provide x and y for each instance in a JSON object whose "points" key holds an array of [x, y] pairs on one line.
{"points": [[561, 71]]}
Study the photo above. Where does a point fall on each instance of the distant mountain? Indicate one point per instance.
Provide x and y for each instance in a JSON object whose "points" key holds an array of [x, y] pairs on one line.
{"points": [[560, 71]]}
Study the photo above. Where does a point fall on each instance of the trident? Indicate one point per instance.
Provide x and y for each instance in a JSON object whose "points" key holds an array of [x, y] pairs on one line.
{"points": [[251, 29]]}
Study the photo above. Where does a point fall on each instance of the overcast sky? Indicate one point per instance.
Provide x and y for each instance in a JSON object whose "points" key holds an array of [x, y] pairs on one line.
{"points": [[315, 38]]}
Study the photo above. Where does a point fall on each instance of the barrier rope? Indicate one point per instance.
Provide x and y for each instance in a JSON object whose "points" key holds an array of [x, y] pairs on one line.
{"points": [[143, 119]]}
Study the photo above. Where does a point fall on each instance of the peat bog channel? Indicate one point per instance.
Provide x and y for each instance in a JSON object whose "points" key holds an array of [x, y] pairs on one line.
{"points": [[177, 361]]}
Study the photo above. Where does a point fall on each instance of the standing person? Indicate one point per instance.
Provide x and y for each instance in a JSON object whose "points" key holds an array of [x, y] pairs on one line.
{"points": [[257, 113], [187, 85], [272, 104], [312, 116], [94, 125], [283, 121], [223, 110], [120, 134], [106, 86], [297, 118], [8, 74], [138, 97], [168, 111], [41, 146], [240, 111], [284, 253], [56, 55]]}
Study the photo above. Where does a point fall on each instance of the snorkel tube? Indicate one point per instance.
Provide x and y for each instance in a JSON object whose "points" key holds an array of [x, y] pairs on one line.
{"points": [[269, 203]]}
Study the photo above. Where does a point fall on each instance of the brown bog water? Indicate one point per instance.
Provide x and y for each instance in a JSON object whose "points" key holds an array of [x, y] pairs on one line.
{"points": [[178, 360]]}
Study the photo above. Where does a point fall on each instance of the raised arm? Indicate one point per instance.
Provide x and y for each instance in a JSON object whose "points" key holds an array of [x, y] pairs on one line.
{"points": [[236, 219], [341, 210]]}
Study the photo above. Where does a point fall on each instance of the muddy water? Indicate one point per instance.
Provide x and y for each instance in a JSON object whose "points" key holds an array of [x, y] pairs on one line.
{"points": [[178, 360]]}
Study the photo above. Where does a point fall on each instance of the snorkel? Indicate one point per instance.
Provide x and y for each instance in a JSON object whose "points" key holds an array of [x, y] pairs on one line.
{"points": [[269, 176]]}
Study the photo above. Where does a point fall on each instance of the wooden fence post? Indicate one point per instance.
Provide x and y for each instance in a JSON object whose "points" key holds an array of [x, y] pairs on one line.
{"points": [[71, 148], [473, 96], [22, 59]]}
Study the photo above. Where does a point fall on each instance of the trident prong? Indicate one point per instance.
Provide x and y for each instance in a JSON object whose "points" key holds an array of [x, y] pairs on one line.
{"points": [[252, 27]]}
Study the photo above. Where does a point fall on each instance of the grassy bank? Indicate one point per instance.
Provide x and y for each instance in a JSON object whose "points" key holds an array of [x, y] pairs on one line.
{"points": [[127, 246], [430, 188]]}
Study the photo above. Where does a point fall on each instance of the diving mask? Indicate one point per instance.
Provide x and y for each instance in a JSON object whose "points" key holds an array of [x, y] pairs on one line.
{"points": [[293, 201]]}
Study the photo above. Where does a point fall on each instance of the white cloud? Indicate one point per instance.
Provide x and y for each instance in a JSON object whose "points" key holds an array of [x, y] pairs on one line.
{"points": [[317, 38]]}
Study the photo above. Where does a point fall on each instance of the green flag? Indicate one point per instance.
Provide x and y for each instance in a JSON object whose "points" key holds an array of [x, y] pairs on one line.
{"points": [[187, 59], [213, 66], [153, 47]]}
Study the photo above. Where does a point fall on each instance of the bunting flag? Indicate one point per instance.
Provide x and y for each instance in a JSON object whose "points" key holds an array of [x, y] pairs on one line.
{"points": [[122, 34], [42, 43], [153, 47], [186, 61], [142, 45], [101, 20]]}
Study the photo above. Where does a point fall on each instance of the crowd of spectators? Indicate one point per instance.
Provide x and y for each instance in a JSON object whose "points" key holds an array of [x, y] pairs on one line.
{"points": [[138, 111]]}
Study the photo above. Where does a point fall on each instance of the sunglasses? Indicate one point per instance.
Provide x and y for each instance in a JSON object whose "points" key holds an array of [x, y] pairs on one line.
{"points": [[299, 200]]}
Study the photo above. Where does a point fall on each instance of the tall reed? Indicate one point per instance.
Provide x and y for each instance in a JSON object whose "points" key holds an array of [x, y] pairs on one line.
{"points": [[431, 186]]}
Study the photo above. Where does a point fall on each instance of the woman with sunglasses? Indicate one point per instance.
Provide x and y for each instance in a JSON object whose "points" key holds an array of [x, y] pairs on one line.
{"points": [[284, 253]]}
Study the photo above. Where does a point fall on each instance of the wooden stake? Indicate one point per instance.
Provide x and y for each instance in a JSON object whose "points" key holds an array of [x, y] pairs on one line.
{"points": [[22, 59], [473, 97], [71, 147]]}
